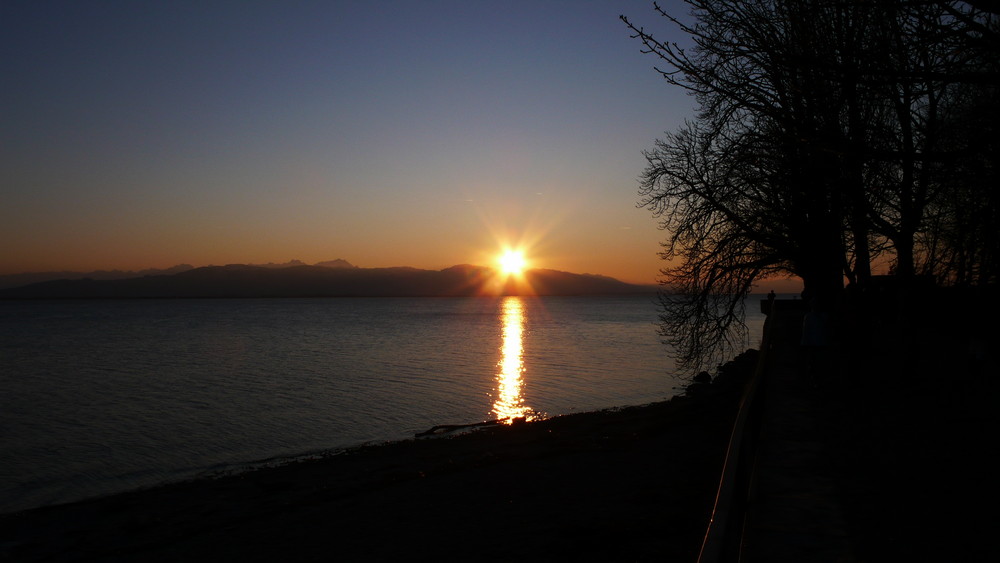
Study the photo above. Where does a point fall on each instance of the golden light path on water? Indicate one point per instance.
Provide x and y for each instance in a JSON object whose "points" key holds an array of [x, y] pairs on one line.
{"points": [[510, 373]]}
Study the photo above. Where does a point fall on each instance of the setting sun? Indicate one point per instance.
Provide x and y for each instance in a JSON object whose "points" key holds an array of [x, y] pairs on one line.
{"points": [[512, 262]]}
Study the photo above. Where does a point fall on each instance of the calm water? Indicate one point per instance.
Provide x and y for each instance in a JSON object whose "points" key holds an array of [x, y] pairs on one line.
{"points": [[105, 396]]}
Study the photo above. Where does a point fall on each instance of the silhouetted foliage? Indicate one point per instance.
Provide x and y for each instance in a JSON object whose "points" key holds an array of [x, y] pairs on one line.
{"points": [[832, 137]]}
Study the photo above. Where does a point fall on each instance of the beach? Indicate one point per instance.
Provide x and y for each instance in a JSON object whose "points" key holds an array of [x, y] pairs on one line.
{"points": [[630, 484]]}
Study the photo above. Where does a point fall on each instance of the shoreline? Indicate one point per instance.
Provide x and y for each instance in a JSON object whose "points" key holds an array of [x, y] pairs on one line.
{"points": [[237, 468], [626, 483]]}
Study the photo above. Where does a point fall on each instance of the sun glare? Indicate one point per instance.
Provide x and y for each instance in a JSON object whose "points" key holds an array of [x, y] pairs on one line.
{"points": [[512, 262]]}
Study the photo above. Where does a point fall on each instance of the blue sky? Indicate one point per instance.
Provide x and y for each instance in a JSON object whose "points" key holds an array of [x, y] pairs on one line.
{"points": [[146, 134]]}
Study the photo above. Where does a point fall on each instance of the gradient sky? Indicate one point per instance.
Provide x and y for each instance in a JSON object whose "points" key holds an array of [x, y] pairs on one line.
{"points": [[147, 134]]}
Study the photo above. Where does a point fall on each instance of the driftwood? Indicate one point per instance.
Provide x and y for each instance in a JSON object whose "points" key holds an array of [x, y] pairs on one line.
{"points": [[445, 428]]}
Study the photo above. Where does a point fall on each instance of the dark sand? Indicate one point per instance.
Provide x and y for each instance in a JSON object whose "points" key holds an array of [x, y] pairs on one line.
{"points": [[635, 484]]}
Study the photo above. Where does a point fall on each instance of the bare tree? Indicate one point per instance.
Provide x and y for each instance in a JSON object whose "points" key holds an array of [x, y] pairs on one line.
{"points": [[750, 188], [821, 146], [721, 237], [961, 242]]}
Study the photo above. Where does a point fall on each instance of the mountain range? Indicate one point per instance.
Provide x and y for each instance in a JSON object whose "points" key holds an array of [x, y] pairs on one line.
{"points": [[336, 278], [17, 280]]}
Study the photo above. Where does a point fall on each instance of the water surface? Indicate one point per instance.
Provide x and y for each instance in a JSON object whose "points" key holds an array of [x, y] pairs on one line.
{"points": [[104, 396]]}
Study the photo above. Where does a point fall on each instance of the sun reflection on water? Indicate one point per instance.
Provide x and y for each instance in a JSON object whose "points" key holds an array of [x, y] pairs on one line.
{"points": [[509, 404]]}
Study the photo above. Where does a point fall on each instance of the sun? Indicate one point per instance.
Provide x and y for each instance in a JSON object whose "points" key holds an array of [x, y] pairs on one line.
{"points": [[512, 262]]}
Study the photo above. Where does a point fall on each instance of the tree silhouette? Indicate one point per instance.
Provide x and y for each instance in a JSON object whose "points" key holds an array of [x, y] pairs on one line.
{"points": [[826, 142]]}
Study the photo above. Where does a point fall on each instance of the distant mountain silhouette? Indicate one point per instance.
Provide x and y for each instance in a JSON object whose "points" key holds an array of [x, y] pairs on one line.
{"points": [[338, 263], [17, 280], [288, 264], [237, 280]]}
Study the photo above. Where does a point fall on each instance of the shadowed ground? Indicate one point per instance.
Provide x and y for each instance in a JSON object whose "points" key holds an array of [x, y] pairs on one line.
{"points": [[881, 446]]}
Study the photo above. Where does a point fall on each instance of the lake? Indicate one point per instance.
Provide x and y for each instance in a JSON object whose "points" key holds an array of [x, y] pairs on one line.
{"points": [[105, 396]]}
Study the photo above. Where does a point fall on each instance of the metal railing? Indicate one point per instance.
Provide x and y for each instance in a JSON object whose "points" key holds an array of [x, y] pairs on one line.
{"points": [[724, 536]]}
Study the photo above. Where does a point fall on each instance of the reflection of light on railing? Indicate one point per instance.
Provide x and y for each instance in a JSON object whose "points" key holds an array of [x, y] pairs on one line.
{"points": [[509, 403]]}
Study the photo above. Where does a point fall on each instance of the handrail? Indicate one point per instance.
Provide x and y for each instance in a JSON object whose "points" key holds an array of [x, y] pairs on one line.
{"points": [[723, 538]]}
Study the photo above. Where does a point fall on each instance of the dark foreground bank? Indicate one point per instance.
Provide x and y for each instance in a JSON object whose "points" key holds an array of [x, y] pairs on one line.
{"points": [[630, 484], [908, 405], [880, 445]]}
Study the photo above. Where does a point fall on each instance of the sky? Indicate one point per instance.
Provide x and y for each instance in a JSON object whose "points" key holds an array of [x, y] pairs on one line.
{"points": [[147, 134]]}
